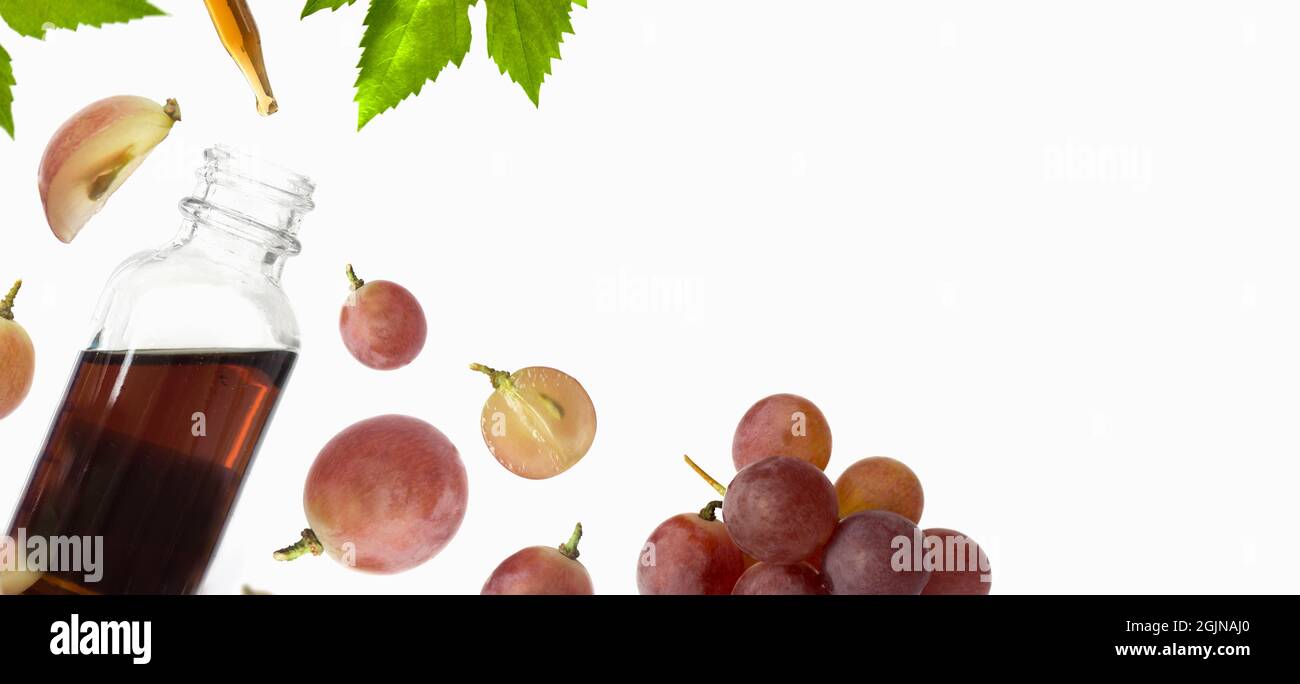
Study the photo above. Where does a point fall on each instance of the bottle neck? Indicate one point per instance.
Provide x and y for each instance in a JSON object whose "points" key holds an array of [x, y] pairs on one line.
{"points": [[244, 213]]}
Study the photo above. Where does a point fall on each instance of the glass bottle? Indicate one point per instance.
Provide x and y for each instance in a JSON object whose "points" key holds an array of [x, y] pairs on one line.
{"points": [[192, 347]]}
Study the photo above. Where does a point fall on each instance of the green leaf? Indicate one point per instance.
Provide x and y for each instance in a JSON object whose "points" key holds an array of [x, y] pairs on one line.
{"points": [[407, 42], [314, 6], [523, 36], [6, 93], [34, 17]]}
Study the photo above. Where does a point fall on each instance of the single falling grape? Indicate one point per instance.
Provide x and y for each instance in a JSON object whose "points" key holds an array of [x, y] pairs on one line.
{"points": [[538, 421], [880, 483], [773, 579], [860, 556], [778, 510], [782, 425], [382, 323], [689, 554], [18, 355], [959, 567], [384, 495], [542, 570]]}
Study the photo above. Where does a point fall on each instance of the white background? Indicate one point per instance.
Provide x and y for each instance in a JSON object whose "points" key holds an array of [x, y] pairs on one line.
{"points": [[1043, 252]]}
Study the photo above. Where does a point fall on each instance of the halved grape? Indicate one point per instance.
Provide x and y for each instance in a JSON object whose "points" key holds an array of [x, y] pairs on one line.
{"points": [[538, 421]]}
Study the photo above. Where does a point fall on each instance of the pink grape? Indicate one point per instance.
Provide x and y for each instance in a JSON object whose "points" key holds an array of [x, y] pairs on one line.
{"points": [[18, 354], [542, 570], [771, 579], [386, 494], [960, 564], [690, 554], [782, 425], [859, 557], [780, 510], [382, 323]]}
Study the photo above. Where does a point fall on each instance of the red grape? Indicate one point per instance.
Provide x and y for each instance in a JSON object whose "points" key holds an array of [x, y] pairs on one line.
{"points": [[860, 556], [880, 483], [780, 510], [382, 323], [542, 570], [18, 354], [782, 425], [690, 553], [384, 495], [960, 566], [771, 579]]}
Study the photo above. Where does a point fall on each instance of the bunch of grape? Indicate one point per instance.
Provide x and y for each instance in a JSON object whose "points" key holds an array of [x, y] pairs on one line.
{"points": [[787, 529]]}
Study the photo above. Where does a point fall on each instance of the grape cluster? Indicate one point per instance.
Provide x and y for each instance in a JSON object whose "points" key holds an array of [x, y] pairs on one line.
{"points": [[787, 529]]}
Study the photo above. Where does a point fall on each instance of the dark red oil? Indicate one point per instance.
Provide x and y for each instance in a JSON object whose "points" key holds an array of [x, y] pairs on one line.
{"points": [[130, 458]]}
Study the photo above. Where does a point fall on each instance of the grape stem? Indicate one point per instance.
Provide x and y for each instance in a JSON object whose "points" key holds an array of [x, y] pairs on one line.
{"points": [[710, 512], [352, 278], [7, 304], [707, 478], [172, 110], [308, 544], [570, 548], [500, 379]]}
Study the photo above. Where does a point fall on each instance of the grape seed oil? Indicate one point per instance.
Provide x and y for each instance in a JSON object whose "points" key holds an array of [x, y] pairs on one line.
{"points": [[148, 453]]}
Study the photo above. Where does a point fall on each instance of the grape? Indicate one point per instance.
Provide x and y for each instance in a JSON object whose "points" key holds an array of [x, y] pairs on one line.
{"points": [[780, 510], [690, 553], [93, 153], [782, 425], [538, 421], [382, 323], [542, 570], [960, 564], [18, 354], [384, 495], [859, 557], [880, 483], [770, 579]]}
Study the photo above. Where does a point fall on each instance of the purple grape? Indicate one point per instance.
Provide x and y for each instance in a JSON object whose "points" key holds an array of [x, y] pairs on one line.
{"points": [[771, 579], [780, 510], [860, 556]]}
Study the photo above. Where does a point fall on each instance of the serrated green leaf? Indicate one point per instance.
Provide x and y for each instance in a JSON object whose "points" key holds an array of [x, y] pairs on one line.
{"points": [[523, 36], [34, 17], [407, 43], [7, 83], [314, 6]]}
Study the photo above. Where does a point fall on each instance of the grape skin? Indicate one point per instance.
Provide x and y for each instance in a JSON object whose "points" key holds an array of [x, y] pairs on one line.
{"points": [[539, 422], [383, 325], [688, 555], [880, 483], [945, 578], [538, 570], [770, 579], [780, 510], [858, 559], [386, 494], [768, 428]]}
